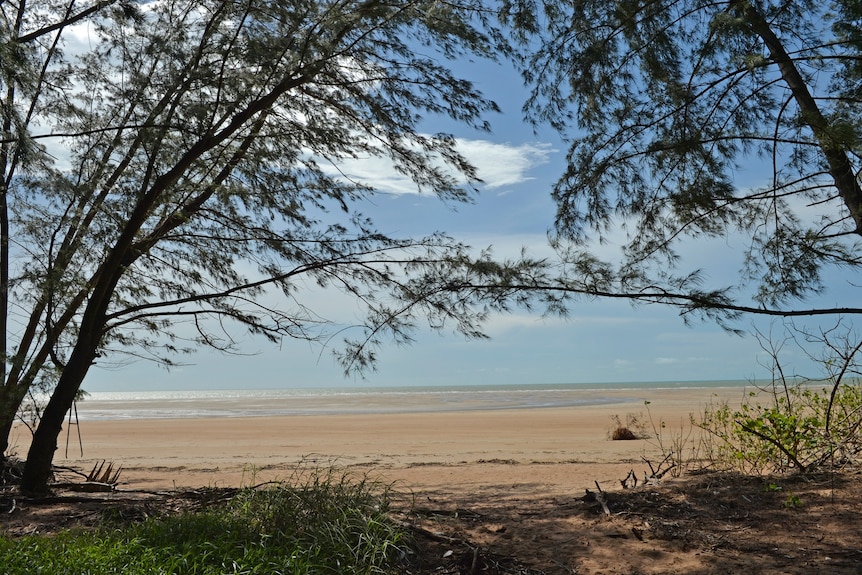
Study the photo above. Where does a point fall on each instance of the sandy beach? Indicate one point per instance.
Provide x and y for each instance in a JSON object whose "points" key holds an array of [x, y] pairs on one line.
{"points": [[500, 485], [553, 450]]}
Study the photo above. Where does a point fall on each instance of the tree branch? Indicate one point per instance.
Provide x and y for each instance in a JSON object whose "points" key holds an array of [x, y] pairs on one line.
{"points": [[835, 153], [68, 21]]}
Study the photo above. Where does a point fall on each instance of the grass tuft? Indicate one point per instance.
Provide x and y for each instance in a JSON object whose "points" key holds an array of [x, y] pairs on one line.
{"points": [[326, 524]]}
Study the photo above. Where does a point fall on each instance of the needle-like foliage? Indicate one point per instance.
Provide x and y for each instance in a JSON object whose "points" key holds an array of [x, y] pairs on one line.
{"points": [[174, 169], [694, 121]]}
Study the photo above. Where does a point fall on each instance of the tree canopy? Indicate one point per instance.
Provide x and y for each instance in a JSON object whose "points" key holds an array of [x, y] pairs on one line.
{"points": [[670, 107], [170, 167], [172, 170]]}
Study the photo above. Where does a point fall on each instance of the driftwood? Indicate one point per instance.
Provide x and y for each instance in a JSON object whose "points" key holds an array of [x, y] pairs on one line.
{"points": [[105, 474], [103, 478], [656, 473], [433, 536], [600, 497], [597, 497], [87, 487]]}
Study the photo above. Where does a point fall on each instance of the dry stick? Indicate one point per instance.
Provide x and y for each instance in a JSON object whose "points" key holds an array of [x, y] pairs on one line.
{"points": [[86, 487], [70, 470], [658, 473], [663, 461], [631, 476], [431, 535], [77, 427], [68, 431], [600, 497]]}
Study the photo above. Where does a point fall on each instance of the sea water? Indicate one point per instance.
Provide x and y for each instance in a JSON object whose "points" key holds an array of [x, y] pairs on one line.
{"points": [[359, 400]]}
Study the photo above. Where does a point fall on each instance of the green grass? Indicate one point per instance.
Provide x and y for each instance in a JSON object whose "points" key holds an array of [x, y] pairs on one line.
{"points": [[327, 525]]}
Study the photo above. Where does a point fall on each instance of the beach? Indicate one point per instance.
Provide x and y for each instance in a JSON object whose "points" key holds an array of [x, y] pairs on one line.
{"points": [[490, 479], [552, 449]]}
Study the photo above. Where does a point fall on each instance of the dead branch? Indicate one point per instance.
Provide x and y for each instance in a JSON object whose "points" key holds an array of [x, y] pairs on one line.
{"points": [[102, 474], [600, 497], [630, 480]]}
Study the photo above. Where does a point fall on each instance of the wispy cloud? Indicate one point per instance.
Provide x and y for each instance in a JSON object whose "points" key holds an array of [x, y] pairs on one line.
{"points": [[504, 164], [499, 324], [677, 360], [497, 165]]}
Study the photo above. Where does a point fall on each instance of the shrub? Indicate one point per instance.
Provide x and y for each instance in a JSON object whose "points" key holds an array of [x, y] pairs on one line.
{"points": [[792, 424], [633, 428], [623, 434]]}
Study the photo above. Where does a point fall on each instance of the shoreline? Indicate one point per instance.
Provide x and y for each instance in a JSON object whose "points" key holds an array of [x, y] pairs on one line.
{"points": [[233, 404], [552, 449]]}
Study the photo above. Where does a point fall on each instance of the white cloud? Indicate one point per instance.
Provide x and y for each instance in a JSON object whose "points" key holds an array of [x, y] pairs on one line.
{"points": [[375, 172], [501, 323], [504, 164], [666, 360], [497, 165]]}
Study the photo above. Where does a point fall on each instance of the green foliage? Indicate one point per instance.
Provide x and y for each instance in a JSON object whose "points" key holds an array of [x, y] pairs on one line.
{"points": [[692, 120], [183, 178], [794, 424], [777, 433], [793, 502], [329, 525]]}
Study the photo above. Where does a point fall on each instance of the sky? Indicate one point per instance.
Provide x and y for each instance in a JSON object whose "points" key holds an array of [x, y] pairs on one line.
{"points": [[601, 341]]}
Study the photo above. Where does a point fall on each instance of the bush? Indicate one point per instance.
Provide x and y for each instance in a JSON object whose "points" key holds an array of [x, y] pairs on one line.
{"points": [[805, 429], [793, 424], [633, 428], [623, 434]]}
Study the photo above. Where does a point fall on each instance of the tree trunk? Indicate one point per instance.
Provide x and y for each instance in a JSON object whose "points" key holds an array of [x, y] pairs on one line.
{"points": [[835, 152], [5, 431], [10, 402], [37, 470]]}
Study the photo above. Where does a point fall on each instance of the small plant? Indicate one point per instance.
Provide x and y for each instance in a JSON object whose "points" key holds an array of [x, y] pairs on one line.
{"points": [[677, 448], [623, 434], [633, 428]]}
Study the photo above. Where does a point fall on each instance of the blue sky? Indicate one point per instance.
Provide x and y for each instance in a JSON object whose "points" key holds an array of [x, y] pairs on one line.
{"points": [[602, 341]]}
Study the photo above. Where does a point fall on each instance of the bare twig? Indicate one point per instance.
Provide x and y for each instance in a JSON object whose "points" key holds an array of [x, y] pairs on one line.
{"points": [[600, 497]]}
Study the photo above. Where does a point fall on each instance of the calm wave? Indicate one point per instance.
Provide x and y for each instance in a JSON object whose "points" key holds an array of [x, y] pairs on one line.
{"points": [[356, 400]]}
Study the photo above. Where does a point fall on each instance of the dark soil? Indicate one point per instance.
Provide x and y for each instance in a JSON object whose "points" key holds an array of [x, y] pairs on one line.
{"points": [[705, 524]]}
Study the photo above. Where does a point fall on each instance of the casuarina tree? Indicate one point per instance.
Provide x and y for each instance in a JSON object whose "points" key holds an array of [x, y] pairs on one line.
{"points": [[172, 169], [692, 121]]}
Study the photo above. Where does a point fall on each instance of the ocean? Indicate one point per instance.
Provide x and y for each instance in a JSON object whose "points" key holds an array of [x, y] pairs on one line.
{"points": [[365, 400]]}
